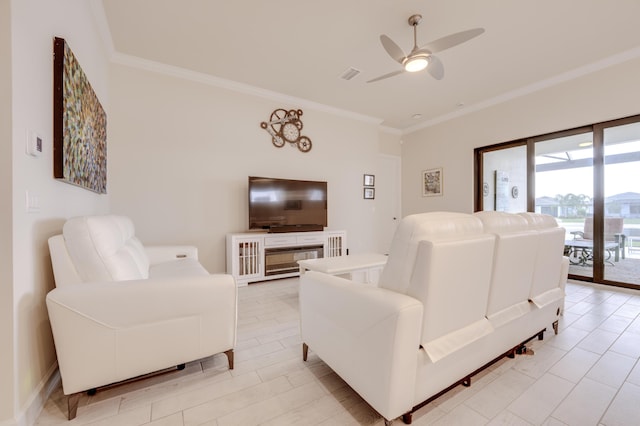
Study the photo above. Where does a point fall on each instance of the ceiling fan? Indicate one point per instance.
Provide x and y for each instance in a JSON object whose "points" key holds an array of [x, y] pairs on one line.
{"points": [[422, 57]]}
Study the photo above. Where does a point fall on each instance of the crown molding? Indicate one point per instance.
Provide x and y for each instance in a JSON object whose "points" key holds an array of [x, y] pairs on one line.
{"points": [[390, 130], [97, 9], [532, 88], [210, 80], [182, 73]]}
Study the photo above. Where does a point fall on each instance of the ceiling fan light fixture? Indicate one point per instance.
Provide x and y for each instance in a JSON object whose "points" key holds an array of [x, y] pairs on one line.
{"points": [[416, 63], [421, 57]]}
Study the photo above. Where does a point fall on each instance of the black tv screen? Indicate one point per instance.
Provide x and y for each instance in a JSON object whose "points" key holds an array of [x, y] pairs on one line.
{"points": [[285, 205]]}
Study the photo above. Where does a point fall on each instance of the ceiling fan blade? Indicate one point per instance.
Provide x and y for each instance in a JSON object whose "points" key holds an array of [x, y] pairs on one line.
{"points": [[435, 68], [392, 48], [382, 77], [452, 40]]}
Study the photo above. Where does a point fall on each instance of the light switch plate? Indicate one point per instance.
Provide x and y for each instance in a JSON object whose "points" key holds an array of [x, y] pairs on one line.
{"points": [[32, 202]]}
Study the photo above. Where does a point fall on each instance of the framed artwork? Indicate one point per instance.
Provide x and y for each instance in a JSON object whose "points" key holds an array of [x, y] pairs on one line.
{"points": [[502, 192], [432, 181], [369, 193], [79, 125], [369, 180]]}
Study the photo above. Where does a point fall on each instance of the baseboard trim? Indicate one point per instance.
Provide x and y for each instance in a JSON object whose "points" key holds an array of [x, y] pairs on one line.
{"points": [[38, 398]]}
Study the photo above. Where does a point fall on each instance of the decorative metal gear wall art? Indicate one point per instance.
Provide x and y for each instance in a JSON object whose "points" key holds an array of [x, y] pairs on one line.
{"points": [[285, 126]]}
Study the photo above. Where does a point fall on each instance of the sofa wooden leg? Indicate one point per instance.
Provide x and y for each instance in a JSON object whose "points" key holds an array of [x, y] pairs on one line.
{"points": [[555, 327], [524, 350], [72, 404], [541, 335], [305, 351], [229, 355], [407, 418]]}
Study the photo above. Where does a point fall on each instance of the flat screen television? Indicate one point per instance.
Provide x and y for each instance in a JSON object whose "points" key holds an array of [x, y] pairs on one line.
{"points": [[285, 205]]}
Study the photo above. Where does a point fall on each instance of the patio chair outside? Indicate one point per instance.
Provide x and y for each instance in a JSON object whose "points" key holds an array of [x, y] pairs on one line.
{"points": [[613, 231]]}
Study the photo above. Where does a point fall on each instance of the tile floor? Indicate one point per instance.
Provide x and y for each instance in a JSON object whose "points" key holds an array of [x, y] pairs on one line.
{"points": [[588, 374]]}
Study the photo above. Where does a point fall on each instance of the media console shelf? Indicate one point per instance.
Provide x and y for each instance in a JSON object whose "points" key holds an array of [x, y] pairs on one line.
{"points": [[253, 257]]}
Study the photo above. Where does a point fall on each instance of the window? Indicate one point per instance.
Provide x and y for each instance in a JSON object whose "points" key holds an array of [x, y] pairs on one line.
{"points": [[587, 179]]}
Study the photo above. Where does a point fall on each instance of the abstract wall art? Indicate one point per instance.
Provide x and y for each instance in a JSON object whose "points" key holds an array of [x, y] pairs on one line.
{"points": [[79, 124]]}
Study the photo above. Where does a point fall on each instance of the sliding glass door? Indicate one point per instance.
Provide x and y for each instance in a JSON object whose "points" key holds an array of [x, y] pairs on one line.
{"points": [[588, 179], [564, 190], [621, 210]]}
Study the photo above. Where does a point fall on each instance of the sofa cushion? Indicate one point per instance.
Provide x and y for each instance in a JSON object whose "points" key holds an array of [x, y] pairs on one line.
{"points": [[444, 260], [612, 227], [398, 270], [177, 268], [496, 222], [546, 288], [513, 262], [104, 248], [539, 221]]}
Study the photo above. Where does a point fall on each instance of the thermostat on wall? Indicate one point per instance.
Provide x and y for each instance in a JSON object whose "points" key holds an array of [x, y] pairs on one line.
{"points": [[34, 144]]}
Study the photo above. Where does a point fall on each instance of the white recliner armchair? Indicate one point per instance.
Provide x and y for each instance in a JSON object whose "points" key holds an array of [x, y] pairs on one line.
{"points": [[121, 310]]}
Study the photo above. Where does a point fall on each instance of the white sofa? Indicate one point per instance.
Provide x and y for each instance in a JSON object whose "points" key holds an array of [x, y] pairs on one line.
{"points": [[121, 310], [458, 292]]}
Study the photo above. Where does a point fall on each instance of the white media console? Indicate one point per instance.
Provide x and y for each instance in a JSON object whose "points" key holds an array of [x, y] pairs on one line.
{"points": [[256, 256]]}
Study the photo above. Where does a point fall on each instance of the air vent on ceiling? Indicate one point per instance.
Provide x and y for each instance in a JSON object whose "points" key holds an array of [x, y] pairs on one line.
{"points": [[349, 73]]}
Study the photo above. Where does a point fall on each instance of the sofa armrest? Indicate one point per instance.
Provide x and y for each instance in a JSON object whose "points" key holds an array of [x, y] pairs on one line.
{"points": [[105, 332], [118, 304], [160, 254], [369, 336]]}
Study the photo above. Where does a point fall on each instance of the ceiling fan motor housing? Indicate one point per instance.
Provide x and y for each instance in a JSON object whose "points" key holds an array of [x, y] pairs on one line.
{"points": [[414, 19]]}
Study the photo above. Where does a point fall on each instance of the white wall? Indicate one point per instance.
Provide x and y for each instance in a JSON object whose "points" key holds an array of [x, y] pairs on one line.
{"points": [[34, 23], [596, 97], [6, 257], [513, 162], [180, 152]]}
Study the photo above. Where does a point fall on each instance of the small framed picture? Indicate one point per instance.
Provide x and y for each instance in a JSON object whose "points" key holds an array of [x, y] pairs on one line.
{"points": [[369, 193], [369, 180], [432, 181]]}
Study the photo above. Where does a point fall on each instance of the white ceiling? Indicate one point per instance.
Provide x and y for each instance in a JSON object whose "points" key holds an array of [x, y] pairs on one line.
{"points": [[300, 48]]}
